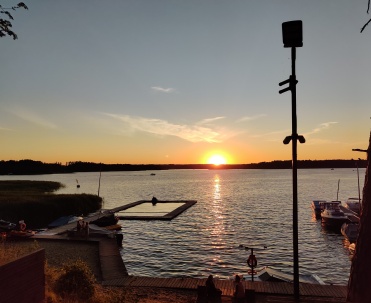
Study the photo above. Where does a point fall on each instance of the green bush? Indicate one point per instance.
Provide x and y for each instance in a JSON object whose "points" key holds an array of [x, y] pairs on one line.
{"points": [[76, 280]]}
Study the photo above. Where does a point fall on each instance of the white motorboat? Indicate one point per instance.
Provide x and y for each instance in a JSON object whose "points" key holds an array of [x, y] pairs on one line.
{"points": [[353, 204], [332, 216], [317, 207], [350, 231], [274, 275]]}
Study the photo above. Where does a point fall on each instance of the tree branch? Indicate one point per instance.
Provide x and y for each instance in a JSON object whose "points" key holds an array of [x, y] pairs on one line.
{"points": [[365, 25]]}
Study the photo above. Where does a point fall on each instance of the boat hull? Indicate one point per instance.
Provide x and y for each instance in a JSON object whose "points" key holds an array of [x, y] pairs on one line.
{"points": [[6, 226], [350, 231], [317, 208], [334, 222]]}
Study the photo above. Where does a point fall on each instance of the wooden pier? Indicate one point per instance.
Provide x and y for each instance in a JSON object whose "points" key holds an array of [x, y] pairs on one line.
{"points": [[320, 293], [185, 204]]}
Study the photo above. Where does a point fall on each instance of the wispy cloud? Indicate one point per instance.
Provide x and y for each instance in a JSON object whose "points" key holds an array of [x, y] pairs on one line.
{"points": [[209, 120], [250, 118], [5, 129], [162, 89], [31, 117], [273, 134], [320, 128], [192, 133]]}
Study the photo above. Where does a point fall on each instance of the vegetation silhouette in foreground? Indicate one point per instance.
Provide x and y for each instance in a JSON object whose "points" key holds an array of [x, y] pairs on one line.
{"points": [[360, 272], [6, 24], [71, 282], [37, 204]]}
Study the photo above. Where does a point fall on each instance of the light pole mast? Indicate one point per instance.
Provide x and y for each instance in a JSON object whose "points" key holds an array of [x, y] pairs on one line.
{"points": [[292, 33]]}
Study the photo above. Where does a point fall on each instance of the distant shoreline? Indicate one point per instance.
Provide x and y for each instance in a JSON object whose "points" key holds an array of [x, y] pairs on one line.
{"points": [[31, 167]]}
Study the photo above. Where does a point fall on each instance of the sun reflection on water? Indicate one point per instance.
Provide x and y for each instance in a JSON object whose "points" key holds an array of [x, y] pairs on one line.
{"points": [[216, 188], [217, 230]]}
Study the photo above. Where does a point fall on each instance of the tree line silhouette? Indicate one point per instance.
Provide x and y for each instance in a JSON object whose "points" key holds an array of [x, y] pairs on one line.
{"points": [[31, 167]]}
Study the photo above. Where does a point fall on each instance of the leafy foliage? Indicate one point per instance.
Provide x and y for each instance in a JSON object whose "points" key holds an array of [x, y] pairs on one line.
{"points": [[76, 279], [5, 24]]}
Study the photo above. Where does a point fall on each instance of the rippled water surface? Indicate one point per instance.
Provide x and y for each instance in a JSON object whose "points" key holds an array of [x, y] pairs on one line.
{"points": [[249, 207]]}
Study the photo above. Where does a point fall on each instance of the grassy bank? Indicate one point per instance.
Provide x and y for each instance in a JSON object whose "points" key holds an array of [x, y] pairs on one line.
{"points": [[37, 204]]}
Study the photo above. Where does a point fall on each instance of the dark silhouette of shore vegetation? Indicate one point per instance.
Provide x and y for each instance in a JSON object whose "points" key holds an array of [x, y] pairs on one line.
{"points": [[36, 203], [71, 281], [31, 167]]}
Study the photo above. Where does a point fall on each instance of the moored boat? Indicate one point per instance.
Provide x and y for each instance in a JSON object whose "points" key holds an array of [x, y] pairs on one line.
{"points": [[64, 220], [353, 204], [317, 207], [106, 220], [332, 216], [274, 275], [350, 231], [7, 226], [21, 233]]}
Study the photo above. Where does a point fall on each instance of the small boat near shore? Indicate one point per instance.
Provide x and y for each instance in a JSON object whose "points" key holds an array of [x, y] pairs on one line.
{"points": [[270, 274], [64, 220], [21, 233], [317, 207], [106, 220], [350, 231], [353, 204], [332, 216], [6, 226], [15, 230]]}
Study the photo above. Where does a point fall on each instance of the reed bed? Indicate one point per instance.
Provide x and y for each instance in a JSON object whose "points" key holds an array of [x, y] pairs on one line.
{"points": [[36, 203]]}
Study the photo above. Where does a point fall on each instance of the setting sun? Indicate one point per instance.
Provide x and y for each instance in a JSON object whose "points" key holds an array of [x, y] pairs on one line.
{"points": [[216, 160]]}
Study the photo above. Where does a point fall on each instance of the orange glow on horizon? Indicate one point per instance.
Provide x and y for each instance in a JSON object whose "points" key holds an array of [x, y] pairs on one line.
{"points": [[216, 159]]}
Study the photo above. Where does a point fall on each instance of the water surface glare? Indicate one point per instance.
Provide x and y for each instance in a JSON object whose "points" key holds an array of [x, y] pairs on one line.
{"points": [[248, 207]]}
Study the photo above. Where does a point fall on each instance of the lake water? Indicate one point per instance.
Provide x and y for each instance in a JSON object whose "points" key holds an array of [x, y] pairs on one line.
{"points": [[248, 207]]}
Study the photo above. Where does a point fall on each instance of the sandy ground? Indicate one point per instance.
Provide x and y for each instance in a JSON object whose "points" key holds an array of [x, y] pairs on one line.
{"points": [[58, 252]]}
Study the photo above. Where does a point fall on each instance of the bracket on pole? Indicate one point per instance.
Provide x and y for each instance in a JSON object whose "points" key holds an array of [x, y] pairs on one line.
{"points": [[291, 81], [288, 139]]}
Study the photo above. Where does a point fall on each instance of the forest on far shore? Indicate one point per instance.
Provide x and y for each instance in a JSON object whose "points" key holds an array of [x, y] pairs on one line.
{"points": [[31, 167]]}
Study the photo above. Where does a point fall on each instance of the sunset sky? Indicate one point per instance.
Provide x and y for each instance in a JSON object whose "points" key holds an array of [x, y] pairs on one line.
{"points": [[180, 81]]}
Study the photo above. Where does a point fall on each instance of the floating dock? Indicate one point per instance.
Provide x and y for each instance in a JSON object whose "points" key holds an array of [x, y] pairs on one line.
{"points": [[151, 214]]}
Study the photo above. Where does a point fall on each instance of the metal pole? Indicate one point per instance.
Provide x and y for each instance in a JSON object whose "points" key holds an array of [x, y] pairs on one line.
{"points": [[359, 190], [252, 268], [295, 177], [100, 175], [337, 193]]}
